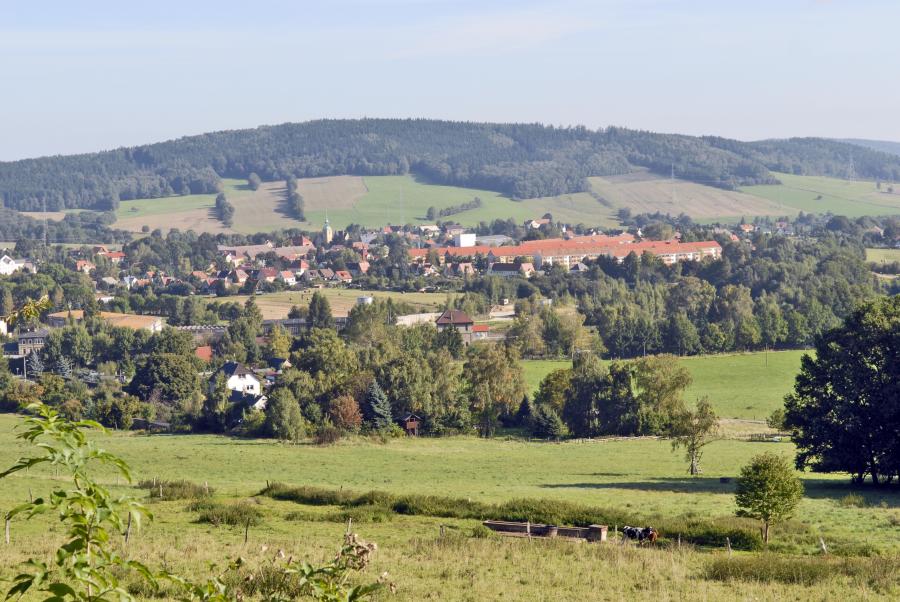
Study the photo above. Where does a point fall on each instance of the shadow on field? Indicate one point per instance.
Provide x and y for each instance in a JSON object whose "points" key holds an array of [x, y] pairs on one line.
{"points": [[885, 497], [674, 485]]}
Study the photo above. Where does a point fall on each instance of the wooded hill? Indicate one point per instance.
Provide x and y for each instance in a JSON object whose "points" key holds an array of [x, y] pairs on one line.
{"points": [[519, 160]]}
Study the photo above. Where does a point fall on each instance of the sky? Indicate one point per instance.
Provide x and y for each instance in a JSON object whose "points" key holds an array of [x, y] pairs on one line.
{"points": [[96, 74]]}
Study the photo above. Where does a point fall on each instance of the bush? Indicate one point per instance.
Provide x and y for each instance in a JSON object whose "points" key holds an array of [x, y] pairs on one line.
{"points": [[240, 513], [853, 500], [175, 490], [327, 434]]}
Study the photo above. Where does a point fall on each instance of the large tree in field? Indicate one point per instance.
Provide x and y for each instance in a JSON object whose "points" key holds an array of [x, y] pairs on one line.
{"points": [[844, 413]]}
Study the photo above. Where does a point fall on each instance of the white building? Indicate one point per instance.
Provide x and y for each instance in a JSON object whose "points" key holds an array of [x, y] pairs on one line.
{"points": [[237, 378], [464, 239], [8, 265]]}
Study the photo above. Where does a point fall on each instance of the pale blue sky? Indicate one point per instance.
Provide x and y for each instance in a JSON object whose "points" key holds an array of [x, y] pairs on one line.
{"points": [[90, 75]]}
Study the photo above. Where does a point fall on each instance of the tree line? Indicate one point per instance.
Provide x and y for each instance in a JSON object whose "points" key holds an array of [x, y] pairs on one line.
{"points": [[519, 160]]}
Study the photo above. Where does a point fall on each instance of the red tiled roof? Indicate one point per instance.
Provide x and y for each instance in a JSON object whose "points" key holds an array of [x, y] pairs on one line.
{"points": [[481, 328], [453, 317]]}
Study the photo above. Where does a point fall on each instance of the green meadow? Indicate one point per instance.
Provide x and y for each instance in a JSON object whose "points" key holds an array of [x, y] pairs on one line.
{"points": [[814, 194], [745, 386], [643, 478]]}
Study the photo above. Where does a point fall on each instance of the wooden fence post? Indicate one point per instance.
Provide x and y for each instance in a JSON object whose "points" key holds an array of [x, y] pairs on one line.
{"points": [[823, 546], [7, 531], [128, 528], [246, 531], [728, 543]]}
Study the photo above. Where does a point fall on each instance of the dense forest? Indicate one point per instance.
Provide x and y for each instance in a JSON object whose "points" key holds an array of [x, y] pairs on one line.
{"points": [[519, 160], [82, 227]]}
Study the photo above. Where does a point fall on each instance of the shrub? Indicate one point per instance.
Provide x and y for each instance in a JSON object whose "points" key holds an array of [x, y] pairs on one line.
{"points": [[327, 434], [853, 500], [175, 490], [240, 513], [344, 413]]}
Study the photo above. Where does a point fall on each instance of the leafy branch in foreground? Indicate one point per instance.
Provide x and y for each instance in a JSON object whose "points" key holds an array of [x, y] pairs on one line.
{"points": [[88, 568]]}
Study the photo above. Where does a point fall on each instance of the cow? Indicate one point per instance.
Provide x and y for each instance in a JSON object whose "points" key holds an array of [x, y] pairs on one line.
{"points": [[640, 534]]}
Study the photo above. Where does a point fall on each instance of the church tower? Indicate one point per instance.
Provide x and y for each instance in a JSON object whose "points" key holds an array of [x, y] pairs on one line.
{"points": [[327, 232]]}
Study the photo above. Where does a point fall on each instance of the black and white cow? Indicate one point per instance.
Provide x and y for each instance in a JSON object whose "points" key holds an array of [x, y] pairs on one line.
{"points": [[640, 534]]}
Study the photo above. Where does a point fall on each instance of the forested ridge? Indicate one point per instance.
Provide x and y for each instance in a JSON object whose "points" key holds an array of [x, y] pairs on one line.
{"points": [[519, 160]]}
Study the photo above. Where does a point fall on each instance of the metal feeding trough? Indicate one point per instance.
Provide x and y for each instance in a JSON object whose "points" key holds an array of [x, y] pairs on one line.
{"points": [[515, 529]]}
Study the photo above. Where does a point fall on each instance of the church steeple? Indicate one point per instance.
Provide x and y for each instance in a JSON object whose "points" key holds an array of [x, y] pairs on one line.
{"points": [[327, 232]]}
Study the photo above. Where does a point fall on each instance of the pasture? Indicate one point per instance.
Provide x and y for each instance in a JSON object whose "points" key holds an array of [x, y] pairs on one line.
{"points": [[814, 194], [744, 386], [640, 476], [342, 300]]}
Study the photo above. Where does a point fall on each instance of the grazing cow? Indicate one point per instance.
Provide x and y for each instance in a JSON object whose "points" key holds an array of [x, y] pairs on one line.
{"points": [[640, 534]]}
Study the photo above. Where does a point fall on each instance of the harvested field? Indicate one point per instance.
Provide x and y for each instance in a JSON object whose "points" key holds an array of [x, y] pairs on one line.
{"points": [[643, 192]]}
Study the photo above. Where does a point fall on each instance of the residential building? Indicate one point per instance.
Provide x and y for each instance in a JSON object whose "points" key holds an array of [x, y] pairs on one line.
{"points": [[32, 341], [460, 320], [238, 378]]}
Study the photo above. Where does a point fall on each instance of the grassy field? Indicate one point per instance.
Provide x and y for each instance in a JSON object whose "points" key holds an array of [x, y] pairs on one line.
{"points": [[813, 194], [883, 255], [643, 192], [642, 476], [277, 305], [372, 201], [254, 211], [746, 386]]}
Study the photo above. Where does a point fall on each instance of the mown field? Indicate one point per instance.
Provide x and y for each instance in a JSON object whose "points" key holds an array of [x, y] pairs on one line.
{"points": [[813, 194], [746, 386], [644, 192], [342, 300], [883, 255], [641, 477]]}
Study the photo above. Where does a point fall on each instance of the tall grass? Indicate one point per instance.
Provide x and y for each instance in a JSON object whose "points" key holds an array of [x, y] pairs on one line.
{"points": [[741, 533], [175, 490]]}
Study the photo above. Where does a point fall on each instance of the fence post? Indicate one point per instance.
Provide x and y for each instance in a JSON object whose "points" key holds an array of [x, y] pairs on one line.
{"points": [[728, 543], [7, 531], [679, 541], [128, 528], [246, 531], [823, 546]]}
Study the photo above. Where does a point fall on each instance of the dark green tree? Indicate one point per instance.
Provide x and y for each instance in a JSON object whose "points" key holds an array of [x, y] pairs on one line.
{"points": [[319, 315], [843, 413], [378, 407]]}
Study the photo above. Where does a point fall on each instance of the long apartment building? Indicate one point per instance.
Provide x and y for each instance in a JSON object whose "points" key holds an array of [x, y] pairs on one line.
{"points": [[568, 252]]}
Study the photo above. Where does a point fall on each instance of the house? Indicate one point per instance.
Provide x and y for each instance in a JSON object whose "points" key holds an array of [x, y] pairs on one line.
{"points": [[32, 341], [288, 277], [246, 401], [465, 268], [480, 332], [113, 256], [343, 276], [238, 378], [535, 224], [511, 270], [239, 276], [747, 228], [460, 320], [267, 274], [8, 265], [204, 352], [358, 268], [132, 321], [84, 266]]}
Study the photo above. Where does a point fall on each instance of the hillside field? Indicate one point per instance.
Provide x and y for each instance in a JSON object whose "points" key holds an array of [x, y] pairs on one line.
{"points": [[640, 476], [375, 201], [813, 194]]}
